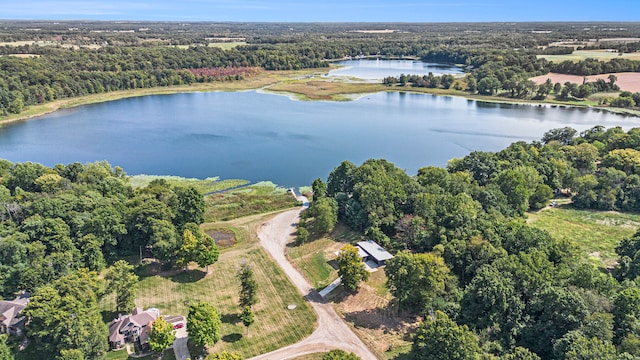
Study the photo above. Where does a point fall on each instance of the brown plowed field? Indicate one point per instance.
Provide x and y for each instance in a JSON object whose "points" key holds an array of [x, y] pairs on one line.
{"points": [[627, 81]]}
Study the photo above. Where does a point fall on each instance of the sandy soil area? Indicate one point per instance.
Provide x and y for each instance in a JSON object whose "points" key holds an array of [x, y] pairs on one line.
{"points": [[628, 81]]}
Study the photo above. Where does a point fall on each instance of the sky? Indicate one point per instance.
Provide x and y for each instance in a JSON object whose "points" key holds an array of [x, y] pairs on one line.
{"points": [[324, 10]]}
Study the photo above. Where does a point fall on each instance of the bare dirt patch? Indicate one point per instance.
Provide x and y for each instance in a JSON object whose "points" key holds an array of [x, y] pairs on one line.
{"points": [[627, 81], [223, 238], [375, 316]]}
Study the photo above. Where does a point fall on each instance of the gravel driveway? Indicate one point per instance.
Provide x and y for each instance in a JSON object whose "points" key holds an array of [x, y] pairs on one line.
{"points": [[332, 332]]}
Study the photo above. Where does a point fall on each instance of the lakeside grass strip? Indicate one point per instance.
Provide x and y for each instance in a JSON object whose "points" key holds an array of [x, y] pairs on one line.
{"points": [[205, 186]]}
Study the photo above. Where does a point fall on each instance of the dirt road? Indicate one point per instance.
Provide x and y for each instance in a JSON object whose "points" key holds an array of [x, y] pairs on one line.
{"points": [[332, 332]]}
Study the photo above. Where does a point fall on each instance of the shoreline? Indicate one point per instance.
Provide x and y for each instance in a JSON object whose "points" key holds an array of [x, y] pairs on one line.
{"points": [[266, 81]]}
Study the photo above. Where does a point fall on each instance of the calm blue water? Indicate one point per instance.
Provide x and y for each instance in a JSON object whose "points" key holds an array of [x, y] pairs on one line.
{"points": [[255, 136], [379, 69]]}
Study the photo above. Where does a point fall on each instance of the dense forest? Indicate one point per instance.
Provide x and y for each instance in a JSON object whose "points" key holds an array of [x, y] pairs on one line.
{"points": [[69, 59], [489, 285]]}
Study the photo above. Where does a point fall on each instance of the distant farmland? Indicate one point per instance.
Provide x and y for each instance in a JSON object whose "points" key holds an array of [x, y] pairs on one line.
{"points": [[603, 55]]}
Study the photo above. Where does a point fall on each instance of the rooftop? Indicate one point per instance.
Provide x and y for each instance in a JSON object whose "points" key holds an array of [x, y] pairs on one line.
{"points": [[376, 251]]}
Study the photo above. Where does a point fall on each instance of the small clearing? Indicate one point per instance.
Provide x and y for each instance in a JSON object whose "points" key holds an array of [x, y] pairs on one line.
{"points": [[594, 233], [375, 317]]}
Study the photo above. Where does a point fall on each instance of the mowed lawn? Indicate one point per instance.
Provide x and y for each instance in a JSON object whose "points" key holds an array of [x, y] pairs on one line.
{"points": [[275, 326], [312, 260], [313, 257], [595, 233]]}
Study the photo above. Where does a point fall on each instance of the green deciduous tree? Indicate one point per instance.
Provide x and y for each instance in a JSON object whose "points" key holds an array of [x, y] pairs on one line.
{"points": [[583, 348], [627, 313], [248, 286], [340, 179], [71, 354], [319, 189], [189, 207], [540, 197], [188, 250], [418, 280], [203, 324], [351, 268], [440, 338], [247, 317], [225, 355], [121, 280], [563, 135], [340, 355], [520, 353], [325, 214], [5, 352], [64, 316], [196, 246], [379, 187], [162, 335]]}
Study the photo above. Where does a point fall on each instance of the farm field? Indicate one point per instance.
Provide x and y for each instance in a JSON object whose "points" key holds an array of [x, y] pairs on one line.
{"points": [[275, 326], [603, 55], [627, 81], [594, 233]]}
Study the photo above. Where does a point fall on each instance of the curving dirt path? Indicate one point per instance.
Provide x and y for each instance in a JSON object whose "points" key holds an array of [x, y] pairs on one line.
{"points": [[332, 332]]}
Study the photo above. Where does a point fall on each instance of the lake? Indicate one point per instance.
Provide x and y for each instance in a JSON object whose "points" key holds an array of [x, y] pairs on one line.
{"points": [[257, 136], [379, 69]]}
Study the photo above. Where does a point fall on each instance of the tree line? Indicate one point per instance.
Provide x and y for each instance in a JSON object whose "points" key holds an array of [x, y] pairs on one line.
{"points": [[146, 59]]}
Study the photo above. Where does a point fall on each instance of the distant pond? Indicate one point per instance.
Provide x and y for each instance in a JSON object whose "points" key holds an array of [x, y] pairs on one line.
{"points": [[256, 136], [379, 69]]}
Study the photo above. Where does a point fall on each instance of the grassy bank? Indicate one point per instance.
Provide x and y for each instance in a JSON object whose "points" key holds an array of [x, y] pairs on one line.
{"points": [[205, 186], [594, 233], [275, 326]]}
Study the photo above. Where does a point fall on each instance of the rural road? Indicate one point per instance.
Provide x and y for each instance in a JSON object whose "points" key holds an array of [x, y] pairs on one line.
{"points": [[332, 332]]}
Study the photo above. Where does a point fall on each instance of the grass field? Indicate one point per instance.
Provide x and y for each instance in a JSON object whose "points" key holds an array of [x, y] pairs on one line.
{"points": [[226, 45], [275, 326], [594, 54], [595, 233]]}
